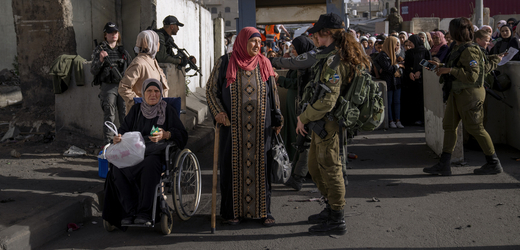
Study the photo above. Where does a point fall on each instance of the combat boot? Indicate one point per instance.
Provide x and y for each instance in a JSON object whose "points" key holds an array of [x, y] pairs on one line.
{"points": [[322, 217], [443, 167], [334, 225], [492, 166], [295, 181]]}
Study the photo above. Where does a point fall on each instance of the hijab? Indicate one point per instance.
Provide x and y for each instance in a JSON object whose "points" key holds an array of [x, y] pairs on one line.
{"points": [[240, 58], [147, 42], [426, 43], [510, 30], [302, 44], [157, 110], [443, 42], [389, 48], [499, 25], [417, 42], [405, 35], [486, 27]]}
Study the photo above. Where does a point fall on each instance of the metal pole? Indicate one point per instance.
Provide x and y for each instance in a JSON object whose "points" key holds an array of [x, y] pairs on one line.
{"points": [[479, 12], [369, 9]]}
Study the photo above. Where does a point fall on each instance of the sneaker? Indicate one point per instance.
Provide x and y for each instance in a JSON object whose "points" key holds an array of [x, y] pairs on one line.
{"points": [[392, 125], [399, 125]]}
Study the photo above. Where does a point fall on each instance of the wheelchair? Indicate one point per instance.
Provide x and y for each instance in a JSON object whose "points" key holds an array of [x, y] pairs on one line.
{"points": [[181, 178]]}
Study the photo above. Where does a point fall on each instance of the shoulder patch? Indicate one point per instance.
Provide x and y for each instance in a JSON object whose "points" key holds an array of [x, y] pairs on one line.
{"points": [[334, 79], [330, 59], [473, 63], [312, 52], [301, 57]]}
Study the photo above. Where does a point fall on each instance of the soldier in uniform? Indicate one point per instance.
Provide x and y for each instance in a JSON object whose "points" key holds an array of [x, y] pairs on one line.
{"points": [[108, 75], [303, 63], [339, 58], [465, 69], [394, 20], [165, 54]]}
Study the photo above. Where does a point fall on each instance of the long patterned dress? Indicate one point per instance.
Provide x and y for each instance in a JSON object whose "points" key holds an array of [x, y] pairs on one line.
{"points": [[253, 107]]}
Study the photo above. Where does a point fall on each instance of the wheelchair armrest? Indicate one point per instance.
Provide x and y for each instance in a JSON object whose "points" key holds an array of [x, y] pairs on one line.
{"points": [[169, 148]]}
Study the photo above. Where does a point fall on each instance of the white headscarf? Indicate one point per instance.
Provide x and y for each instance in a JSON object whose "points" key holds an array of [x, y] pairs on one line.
{"points": [[147, 42], [405, 35]]}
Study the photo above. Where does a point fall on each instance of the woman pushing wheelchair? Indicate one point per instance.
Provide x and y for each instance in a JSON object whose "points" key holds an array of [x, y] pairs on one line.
{"points": [[130, 191]]}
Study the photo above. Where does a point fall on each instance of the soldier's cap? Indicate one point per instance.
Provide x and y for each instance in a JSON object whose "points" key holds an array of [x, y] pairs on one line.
{"points": [[331, 21], [169, 20], [110, 27]]}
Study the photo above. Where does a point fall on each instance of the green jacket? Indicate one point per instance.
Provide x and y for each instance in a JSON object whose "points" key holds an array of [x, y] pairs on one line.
{"points": [[165, 53], [62, 69], [336, 79], [469, 71]]}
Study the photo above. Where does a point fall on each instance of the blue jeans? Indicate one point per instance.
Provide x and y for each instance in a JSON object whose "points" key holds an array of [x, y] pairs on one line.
{"points": [[394, 103]]}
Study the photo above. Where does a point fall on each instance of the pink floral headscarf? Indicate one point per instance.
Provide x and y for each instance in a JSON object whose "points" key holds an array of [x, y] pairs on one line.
{"points": [[436, 48]]}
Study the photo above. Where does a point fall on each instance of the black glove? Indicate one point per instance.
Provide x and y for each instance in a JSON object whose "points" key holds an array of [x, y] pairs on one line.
{"points": [[184, 61]]}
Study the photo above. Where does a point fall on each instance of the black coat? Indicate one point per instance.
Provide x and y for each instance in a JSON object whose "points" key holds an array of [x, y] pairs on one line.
{"points": [[388, 71]]}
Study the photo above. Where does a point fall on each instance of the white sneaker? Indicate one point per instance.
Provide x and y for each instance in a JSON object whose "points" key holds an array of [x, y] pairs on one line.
{"points": [[399, 125], [392, 125]]}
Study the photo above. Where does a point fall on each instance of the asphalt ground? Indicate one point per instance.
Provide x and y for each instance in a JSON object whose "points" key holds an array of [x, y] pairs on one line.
{"points": [[391, 204]]}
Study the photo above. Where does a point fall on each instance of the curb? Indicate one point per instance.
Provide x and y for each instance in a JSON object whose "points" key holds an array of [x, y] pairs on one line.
{"points": [[51, 223]]}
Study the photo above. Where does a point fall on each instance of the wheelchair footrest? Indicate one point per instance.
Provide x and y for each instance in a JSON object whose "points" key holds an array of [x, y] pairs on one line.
{"points": [[148, 224]]}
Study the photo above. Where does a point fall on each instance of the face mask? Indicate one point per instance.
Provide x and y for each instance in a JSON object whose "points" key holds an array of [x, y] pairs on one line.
{"points": [[136, 50]]}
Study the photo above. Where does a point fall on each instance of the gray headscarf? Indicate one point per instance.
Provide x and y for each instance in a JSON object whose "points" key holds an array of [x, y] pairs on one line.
{"points": [[147, 42], [426, 43], [157, 110]]}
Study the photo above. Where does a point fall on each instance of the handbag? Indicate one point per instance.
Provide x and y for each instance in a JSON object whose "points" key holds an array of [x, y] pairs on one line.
{"points": [[281, 165], [129, 152]]}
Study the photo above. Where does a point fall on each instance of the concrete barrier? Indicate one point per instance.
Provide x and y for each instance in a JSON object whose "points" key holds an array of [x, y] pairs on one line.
{"points": [[433, 114], [502, 122], [78, 109]]}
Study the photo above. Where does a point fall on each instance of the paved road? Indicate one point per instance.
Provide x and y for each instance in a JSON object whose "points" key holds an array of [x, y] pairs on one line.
{"points": [[391, 204]]}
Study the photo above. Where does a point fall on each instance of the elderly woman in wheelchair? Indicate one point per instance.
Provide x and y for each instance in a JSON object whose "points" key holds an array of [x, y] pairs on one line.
{"points": [[130, 192]]}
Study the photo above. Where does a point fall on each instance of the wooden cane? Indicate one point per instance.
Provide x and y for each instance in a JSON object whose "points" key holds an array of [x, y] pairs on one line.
{"points": [[215, 173], [214, 188]]}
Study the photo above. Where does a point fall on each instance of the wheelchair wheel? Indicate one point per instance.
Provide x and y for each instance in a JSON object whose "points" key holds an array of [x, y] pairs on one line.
{"points": [[109, 227], [166, 223], [187, 184]]}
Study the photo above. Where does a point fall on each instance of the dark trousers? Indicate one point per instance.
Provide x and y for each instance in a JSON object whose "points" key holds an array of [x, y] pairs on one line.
{"points": [[111, 102], [136, 186]]}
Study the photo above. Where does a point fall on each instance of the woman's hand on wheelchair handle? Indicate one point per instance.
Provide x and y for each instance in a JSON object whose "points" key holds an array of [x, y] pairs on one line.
{"points": [[116, 139]]}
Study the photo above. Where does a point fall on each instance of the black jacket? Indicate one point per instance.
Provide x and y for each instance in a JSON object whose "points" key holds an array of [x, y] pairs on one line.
{"points": [[388, 71]]}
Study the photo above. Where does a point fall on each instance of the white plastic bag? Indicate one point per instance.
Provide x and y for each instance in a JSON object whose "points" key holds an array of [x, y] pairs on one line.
{"points": [[128, 152]]}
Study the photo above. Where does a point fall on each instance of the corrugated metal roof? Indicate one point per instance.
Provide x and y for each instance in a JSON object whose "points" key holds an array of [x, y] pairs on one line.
{"points": [[458, 8]]}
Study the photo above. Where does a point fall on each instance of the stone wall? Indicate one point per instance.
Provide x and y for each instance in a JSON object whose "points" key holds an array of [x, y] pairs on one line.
{"points": [[423, 24], [44, 31], [8, 38]]}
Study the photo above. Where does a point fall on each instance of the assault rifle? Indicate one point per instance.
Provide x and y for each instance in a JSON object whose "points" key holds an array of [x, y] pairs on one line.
{"points": [[496, 96], [318, 126], [185, 57]]}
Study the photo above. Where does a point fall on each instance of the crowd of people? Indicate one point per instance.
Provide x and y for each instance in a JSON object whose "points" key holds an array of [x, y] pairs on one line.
{"points": [[242, 95]]}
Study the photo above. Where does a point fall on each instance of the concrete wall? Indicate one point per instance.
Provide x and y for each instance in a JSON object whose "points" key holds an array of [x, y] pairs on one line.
{"points": [[445, 23], [423, 24], [433, 114], [502, 122], [8, 37], [196, 36], [89, 18], [382, 27]]}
